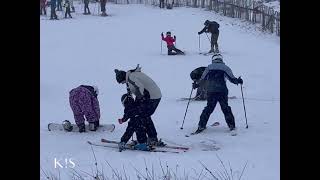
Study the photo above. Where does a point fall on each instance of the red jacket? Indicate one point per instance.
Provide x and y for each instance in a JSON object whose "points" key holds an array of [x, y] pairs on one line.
{"points": [[169, 40]]}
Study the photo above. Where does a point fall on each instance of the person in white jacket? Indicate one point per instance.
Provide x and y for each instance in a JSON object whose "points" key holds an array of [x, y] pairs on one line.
{"points": [[147, 95]]}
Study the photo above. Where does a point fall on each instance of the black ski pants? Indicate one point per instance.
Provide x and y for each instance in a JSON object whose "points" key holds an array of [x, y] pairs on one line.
{"points": [[173, 48], [53, 11], [68, 12], [135, 125], [212, 100], [86, 6]]}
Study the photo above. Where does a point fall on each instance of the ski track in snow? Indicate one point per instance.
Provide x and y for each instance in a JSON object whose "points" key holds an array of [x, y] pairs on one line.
{"points": [[87, 49]]}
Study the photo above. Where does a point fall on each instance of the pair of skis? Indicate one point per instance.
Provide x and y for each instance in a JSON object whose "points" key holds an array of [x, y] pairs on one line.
{"points": [[164, 149]]}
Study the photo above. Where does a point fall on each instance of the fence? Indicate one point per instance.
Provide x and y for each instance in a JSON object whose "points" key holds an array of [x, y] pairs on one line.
{"points": [[251, 10]]}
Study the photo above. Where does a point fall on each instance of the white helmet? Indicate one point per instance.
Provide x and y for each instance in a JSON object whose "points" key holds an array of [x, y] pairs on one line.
{"points": [[217, 58]]}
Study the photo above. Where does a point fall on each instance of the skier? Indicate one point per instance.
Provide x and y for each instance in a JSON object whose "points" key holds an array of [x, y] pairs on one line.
{"points": [[53, 10], [43, 4], [202, 89], [147, 98], [72, 7], [103, 7], [59, 5], [68, 11], [213, 28], [217, 91], [84, 102], [86, 7], [134, 125], [169, 40], [161, 5]]}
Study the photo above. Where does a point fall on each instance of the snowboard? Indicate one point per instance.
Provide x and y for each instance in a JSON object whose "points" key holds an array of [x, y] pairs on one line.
{"points": [[75, 128]]}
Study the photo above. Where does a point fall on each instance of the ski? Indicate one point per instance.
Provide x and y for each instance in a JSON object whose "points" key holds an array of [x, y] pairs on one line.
{"points": [[166, 146], [194, 99], [128, 147]]}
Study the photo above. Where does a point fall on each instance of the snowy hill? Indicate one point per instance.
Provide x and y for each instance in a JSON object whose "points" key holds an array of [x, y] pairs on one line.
{"points": [[87, 49]]}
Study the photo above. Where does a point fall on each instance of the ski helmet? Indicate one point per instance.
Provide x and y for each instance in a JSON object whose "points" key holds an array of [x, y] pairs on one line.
{"points": [[67, 125], [126, 99], [120, 75], [168, 33], [197, 73], [217, 58], [206, 22]]}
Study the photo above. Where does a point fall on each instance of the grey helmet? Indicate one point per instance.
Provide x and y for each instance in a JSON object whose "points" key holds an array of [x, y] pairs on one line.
{"points": [[217, 58]]}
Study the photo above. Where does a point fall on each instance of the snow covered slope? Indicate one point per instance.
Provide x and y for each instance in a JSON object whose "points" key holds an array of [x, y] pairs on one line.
{"points": [[87, 49]]}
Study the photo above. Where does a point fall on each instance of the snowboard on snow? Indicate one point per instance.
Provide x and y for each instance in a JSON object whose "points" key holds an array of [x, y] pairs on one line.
{"points": [[75, 128]]}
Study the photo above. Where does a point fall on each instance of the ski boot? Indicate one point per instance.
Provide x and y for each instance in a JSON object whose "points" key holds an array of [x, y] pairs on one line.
{"points": [[94, 126], [122, 146], [82, 128], [142, 147], [199, 130]]}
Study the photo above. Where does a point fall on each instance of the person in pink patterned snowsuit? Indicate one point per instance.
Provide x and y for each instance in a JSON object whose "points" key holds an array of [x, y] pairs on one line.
{"points": [[85, 105]]}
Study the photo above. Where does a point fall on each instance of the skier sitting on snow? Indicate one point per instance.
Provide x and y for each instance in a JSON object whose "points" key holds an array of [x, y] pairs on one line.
{"points": [[213, 28], [84, 103], [148, 96], [214, 75], [134, 125], [169, 40]]}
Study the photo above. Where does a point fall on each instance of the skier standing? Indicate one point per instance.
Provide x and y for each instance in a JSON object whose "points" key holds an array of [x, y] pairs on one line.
{"points": [[43, 4], [68, 11], [53, 10], [169, 40], [135, 125], [86, 7], [148, 96], [213, 28], [84, 103], [103, 7], [217, 91], [59, 5]]}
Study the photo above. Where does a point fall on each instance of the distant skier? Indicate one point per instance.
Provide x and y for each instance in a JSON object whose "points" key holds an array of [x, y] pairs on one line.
{"points": [[86, 7], [103, 7], [161, 5], [53, 4], [213, 28], [72, 7], [148, 96], [59, 5], [68, 11], [84, 104], [217, 91], [43, 4], [169, 40], [135, 125], [202, 89]]}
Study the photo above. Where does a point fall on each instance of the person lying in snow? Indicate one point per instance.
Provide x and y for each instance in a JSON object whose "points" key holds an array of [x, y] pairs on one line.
{"points": [[169, 40]]}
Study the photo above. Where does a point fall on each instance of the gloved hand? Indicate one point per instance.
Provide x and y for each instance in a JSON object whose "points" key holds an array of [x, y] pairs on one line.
{"points": [[195, 85], [162, 34], [174, 37], [240, 81], [199, 33]]}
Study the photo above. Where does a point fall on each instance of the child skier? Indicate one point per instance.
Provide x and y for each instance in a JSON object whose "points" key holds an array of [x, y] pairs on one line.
{"points": [[135, 124], [169, 40]]}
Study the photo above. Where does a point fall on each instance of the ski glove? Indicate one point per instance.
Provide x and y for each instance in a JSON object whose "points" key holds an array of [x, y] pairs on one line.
{"points": [[240, 81], [195, 85], [199, 33]]}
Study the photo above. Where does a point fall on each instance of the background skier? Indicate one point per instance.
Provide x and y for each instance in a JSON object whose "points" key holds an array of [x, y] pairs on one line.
{"points": [[169, 40], [43, 4], [68, 11], [86, 7], [103, 7], [213, 28]]}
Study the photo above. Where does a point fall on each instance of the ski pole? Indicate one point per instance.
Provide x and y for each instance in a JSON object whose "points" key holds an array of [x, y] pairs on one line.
{"points": [[186, 109], [161, 47], [199, 44], [244, 107]]}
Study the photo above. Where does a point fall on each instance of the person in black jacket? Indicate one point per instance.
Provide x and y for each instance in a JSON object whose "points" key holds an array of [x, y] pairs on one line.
{"points": [[86, 7], [214, 75], [213, 28], [135, 125]]}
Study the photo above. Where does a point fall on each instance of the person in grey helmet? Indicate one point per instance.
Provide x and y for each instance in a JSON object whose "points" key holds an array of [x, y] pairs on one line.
{"points": [[214, 75], [213, 28]]}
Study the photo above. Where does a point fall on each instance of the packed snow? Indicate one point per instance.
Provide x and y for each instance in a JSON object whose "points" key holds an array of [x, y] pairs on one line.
{"points": [[87, 49]]}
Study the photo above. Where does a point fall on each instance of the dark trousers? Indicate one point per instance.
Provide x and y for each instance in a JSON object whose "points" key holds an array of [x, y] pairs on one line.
{"points": [[86, 7], [135, 125], [173, 48], [214, 42], [53, 12], [161, 4], [68, 12], [148, 107], [212, 100], [103, 6], [43, 8], [59, 5]]}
